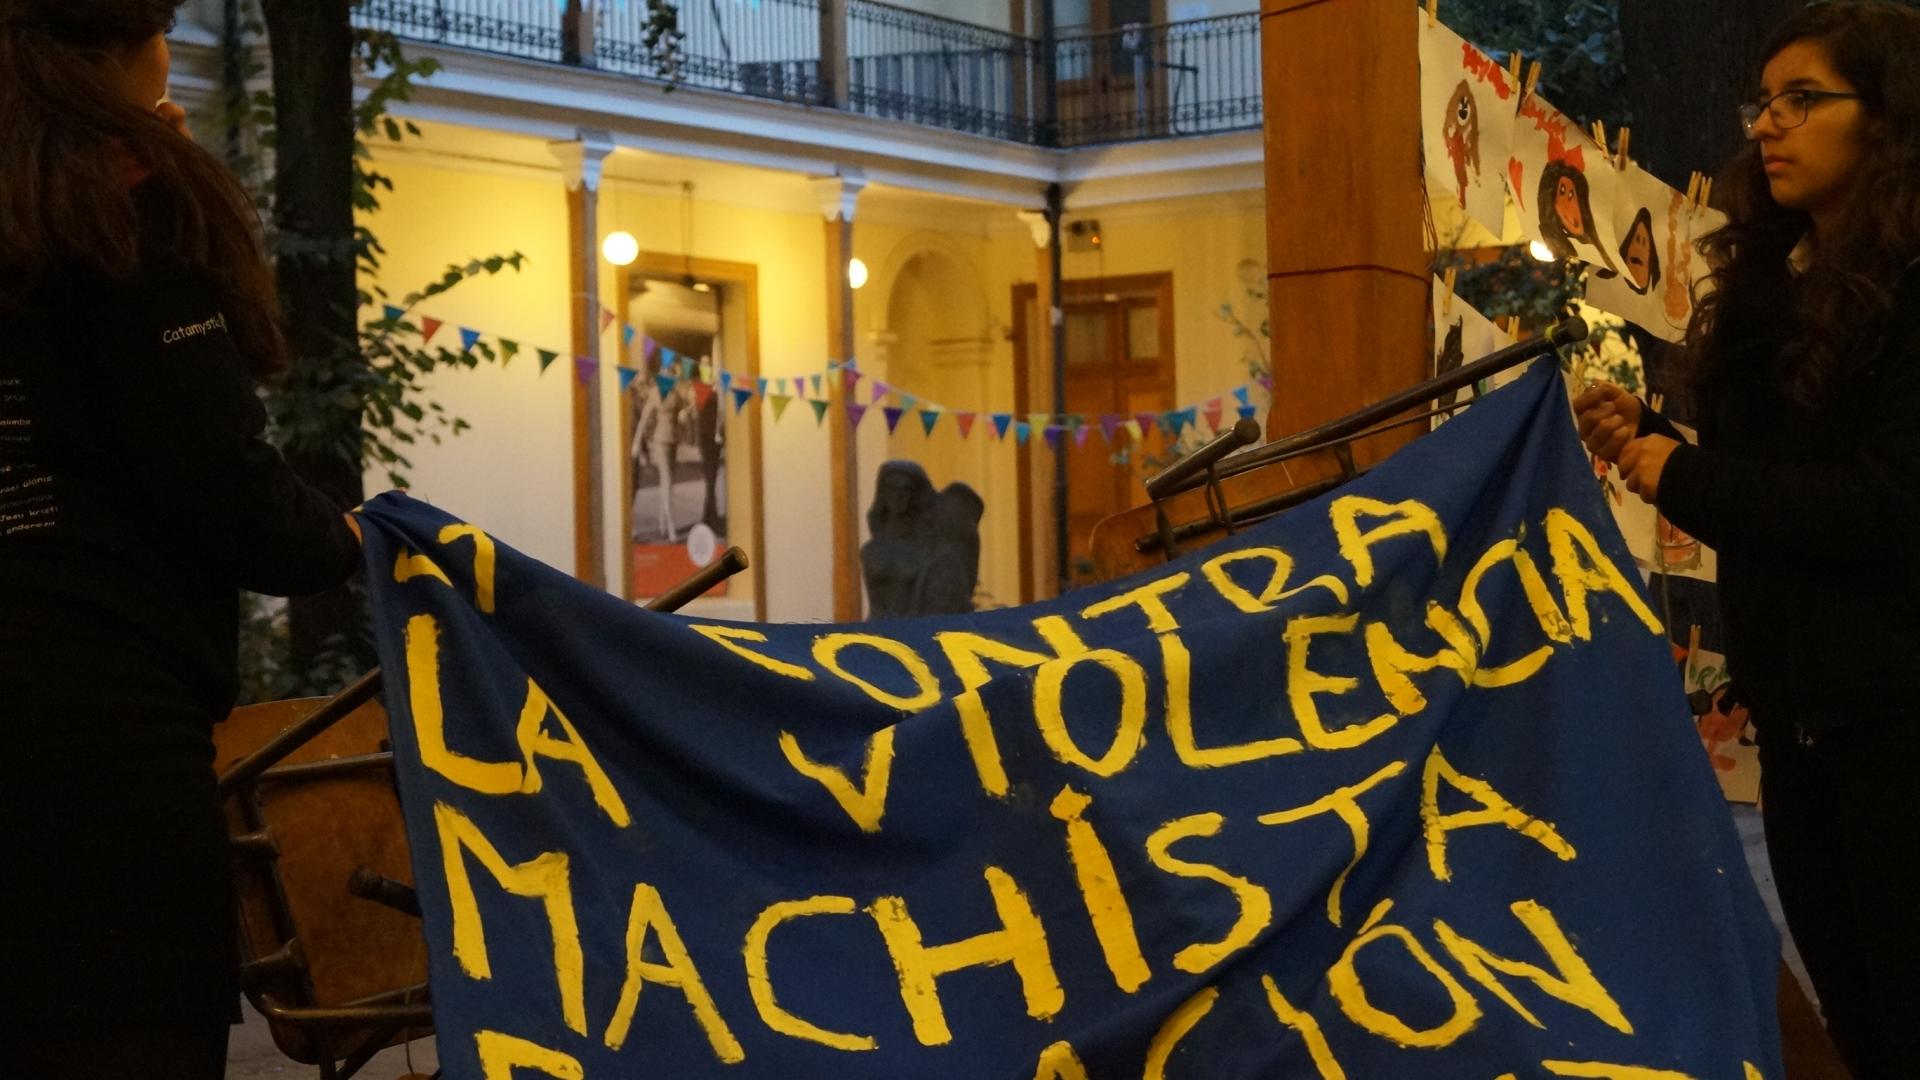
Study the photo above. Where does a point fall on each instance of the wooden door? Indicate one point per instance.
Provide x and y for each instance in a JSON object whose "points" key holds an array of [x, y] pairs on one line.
{"points": [[1119, 360]]}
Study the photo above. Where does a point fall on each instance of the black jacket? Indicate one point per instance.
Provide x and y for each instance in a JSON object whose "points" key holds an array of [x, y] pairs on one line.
{"points": [[1815, 516], [137, 497]]}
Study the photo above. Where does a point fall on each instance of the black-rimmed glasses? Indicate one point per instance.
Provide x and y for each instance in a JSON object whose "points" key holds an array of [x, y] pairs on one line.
{"points": [[1788, 109]]}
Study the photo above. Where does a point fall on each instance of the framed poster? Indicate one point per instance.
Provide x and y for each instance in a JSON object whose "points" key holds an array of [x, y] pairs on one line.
{"points": [[689, 457]]}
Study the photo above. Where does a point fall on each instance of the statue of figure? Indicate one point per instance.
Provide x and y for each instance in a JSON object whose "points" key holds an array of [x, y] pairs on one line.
{"points": [[924, 554]]}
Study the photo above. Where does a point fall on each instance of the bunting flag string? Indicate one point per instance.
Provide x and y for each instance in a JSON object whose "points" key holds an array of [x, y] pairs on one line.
{"points": [[703, 381]]}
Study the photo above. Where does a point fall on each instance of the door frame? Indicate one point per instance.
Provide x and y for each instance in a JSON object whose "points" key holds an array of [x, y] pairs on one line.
{"points": [[1025, 293], [743, 279]]}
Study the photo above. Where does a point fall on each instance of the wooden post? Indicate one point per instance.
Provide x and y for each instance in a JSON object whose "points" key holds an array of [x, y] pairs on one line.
{"points": [[1040, 570], [1347, 271], [835, 69], [581, 161], [837, 196]]}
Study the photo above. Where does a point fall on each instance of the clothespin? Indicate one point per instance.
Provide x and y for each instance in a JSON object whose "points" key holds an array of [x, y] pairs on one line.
{"points": [[1600, 134], [1514, 60], [1446, 303], [1533, 80], [1626, 136], [1655, 401], [1693, 190], [1433, 12], [1706, 192]]}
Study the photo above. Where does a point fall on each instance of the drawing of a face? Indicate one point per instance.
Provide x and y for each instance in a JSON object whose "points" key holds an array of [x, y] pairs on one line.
{"points": [[1460, 133], [1566, 205], [1638, 254]]}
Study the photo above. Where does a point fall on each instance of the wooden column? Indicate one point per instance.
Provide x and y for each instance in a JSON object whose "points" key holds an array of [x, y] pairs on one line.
{"points": [[837, 196], [1036, 471], [581, 161], [1346, 266]]}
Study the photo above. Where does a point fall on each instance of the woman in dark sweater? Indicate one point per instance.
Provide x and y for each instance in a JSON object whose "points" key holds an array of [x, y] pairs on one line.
{"points": [[136, 498], [1807, 482]]}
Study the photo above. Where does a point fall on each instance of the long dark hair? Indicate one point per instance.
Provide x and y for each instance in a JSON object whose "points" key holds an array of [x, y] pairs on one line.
{"points": [[74, 149], [1841, 305]]}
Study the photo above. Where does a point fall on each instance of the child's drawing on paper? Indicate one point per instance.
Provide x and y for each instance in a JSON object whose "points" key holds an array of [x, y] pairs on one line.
{"points": [[1462, 335], [1726, 731], [1565, 186], [1466, 123], [1659, 266]]}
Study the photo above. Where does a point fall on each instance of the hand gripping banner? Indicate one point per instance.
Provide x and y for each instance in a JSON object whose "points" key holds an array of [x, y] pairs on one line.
{"points": [[1399, 784]]}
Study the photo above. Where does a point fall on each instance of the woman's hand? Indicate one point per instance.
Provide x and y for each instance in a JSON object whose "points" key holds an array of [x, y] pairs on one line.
{"points": [[1608, 418], [1641, 463]]}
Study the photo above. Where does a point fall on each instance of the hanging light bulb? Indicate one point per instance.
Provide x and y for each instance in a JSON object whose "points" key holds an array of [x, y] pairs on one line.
{"points": [[856, 273], [620, 248]]}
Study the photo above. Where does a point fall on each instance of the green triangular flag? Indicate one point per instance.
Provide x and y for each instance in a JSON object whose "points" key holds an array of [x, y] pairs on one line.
{"points": [[547, 357], [507, 351], [819, 409], [780, 403]]}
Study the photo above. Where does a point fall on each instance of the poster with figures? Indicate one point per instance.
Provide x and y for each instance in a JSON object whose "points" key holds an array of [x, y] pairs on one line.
{"points": [[1462, 335], [1466, 123], [1660, 265], [1564, 187]]}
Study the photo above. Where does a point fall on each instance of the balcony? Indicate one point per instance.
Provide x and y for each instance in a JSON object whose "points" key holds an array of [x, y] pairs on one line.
{"points": [[1141, 82]]}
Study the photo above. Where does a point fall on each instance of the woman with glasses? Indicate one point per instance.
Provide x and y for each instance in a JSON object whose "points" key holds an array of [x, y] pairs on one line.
{"points": [[136, 499], [1806, 360]]}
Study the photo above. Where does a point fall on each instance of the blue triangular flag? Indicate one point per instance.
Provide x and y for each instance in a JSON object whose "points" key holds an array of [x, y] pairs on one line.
{"points": [[1246, 412], [1242, 394], [665, 383], [726, 381], [627, 335], [627, 375], [394, 314], [1000, 422], [928, 418], [468, 338], [1021, 429], [741, 395]]}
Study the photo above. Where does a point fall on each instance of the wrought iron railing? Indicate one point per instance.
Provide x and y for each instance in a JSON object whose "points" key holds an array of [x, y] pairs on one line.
{"points": [[909, 65], [1155, 82], [529, 28], [1140, 82], [766, 48]]}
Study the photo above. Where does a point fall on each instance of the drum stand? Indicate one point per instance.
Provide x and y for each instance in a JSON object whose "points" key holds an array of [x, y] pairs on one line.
{"points": [[305, 897]]}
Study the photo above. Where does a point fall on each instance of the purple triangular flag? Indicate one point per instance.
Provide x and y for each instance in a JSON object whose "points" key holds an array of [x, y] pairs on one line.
{"points": [[856, 412], [1109, 425], [586, 368], [894, 413]]}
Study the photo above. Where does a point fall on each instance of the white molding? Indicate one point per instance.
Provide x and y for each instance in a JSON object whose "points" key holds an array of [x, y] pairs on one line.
{"points": [[553, 103], [839, 193], [583, 158]]}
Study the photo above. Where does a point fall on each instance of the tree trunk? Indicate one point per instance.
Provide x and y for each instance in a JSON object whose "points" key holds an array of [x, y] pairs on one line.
{"points": [[1689, 66], [312, 46]]}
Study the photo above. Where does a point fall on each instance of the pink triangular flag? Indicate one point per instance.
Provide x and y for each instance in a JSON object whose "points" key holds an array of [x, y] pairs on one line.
{"points": [[965, 420]]}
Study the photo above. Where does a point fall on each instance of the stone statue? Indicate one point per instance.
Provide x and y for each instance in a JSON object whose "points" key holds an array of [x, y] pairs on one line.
{"points": [[924, 555]]}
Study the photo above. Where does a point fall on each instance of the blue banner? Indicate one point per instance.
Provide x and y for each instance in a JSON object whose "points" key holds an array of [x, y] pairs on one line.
{"points": [[1398, 784]]}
